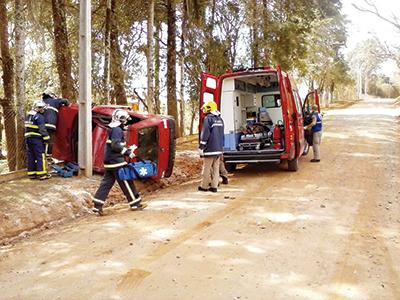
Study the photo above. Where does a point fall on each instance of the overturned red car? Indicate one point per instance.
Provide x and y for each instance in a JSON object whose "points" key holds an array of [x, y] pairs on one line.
{"points": [[153, 134]]}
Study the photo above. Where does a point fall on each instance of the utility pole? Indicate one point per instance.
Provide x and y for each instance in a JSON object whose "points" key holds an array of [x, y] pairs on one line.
{"points": [[85, 89]]}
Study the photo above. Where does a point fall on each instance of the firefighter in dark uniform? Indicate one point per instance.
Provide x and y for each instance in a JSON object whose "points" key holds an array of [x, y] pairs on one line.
{"points": [[211, 146], [114, 158], [51, 116], [36, 136]]}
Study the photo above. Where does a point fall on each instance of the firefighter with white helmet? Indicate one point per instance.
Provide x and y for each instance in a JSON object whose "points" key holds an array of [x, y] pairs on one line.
{"points": [[114, 158], [211, 146], [36, 136]]}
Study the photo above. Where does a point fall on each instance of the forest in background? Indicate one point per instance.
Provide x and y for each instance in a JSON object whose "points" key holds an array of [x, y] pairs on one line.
{"points": [[156, 51]]}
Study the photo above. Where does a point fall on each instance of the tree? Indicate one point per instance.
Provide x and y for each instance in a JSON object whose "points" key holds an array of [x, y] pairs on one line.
{"points": [[150, 57], [392, 52], [107, 46], [365, 60], [171, 63], [8, 85], [117, 73], [20, 80], [63, 50]]}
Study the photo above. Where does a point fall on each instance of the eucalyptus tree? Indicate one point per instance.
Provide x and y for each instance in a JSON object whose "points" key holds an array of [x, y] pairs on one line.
{"points": [[20, 27], [7, 102], [365, 60], [62, 50]]}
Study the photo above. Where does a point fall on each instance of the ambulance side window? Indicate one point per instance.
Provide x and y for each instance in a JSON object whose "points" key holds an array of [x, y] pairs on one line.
{"points": [[297, 101], [208, 97]]}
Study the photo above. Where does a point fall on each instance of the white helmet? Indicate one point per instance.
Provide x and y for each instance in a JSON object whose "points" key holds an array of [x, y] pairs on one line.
{"points": [[118, 117], [38, 104]]}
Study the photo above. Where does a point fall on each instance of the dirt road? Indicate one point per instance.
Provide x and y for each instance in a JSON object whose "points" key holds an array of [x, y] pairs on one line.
{"points": [[329, 231]]}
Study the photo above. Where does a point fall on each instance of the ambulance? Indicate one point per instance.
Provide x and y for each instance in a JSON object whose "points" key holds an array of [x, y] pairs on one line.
{"points": [[263, 115]]}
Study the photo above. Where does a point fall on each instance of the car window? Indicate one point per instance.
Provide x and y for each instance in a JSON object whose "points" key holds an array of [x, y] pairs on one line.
{"points": [[148, 143]]}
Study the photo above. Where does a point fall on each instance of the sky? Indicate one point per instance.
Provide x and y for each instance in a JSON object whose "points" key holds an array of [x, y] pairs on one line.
{"points": [[364, 25]]}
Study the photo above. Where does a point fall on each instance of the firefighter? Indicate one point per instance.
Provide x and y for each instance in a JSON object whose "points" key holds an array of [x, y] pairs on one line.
{"points": [[211, 146], [114, 158], [36, 136], [316, 128], [51, 116]]}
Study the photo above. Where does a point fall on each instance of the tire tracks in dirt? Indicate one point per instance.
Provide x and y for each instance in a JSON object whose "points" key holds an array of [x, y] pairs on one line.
{"points": [[366, 237], [139, 272]]}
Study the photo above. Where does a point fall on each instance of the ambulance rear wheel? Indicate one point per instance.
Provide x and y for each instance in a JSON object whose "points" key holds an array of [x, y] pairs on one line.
{"points": [[230, 167], [306, 149], [293, 164]]}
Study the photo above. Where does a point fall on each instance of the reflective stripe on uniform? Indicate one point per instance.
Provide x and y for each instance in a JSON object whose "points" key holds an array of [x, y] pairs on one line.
{"points": [[50, 125], [46, 137], [27, 125], [31, 173], [212, 153], [135, 201], [52, 108], [98, 201], [44, 166], [108, 142], [129, 190], [115, 165], [203, 143], [32, 134], [217, 124]]}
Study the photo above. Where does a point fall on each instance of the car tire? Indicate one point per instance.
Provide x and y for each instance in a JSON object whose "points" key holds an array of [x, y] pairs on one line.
{"points": [[293, 164], [306, 149]]}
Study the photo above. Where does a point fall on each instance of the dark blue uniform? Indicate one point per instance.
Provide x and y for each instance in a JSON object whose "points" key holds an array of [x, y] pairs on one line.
{"points": [[51, 117], [35, 137], [212, 135], [114, 158]]}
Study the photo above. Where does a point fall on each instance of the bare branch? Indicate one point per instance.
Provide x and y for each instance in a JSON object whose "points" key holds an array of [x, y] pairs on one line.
{"points": [[374, 10]]}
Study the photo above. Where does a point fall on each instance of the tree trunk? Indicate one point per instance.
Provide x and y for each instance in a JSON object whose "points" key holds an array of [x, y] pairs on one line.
{"points": [[254, 36], [1, 133], [62, 50], [182, 68], [157, 65], [117, 73], [149, 56], [192, 119], [171, 63], [106, 78], [20, 80], [8, 85], [208, 33]]}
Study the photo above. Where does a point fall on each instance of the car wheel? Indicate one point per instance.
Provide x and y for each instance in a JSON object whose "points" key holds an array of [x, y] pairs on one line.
{"points": [[293, 164]]}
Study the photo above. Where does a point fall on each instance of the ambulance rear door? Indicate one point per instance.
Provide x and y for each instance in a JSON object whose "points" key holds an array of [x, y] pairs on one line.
{"points": [[287, 111], [210, 91]]}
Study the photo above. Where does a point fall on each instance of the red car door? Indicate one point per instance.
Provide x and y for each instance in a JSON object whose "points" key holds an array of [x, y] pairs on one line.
{"points": [[155, 138]]}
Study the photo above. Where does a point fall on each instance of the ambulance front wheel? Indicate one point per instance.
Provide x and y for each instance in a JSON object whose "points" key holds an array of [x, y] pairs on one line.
{"points": [[230, 167], [293, 164]]}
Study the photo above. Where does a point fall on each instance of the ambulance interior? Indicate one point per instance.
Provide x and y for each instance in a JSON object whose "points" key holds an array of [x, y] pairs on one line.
{"points": [[252, 112]]}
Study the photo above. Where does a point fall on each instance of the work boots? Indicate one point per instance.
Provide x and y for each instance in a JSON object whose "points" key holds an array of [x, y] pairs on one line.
{"points": [[224, 179]]}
